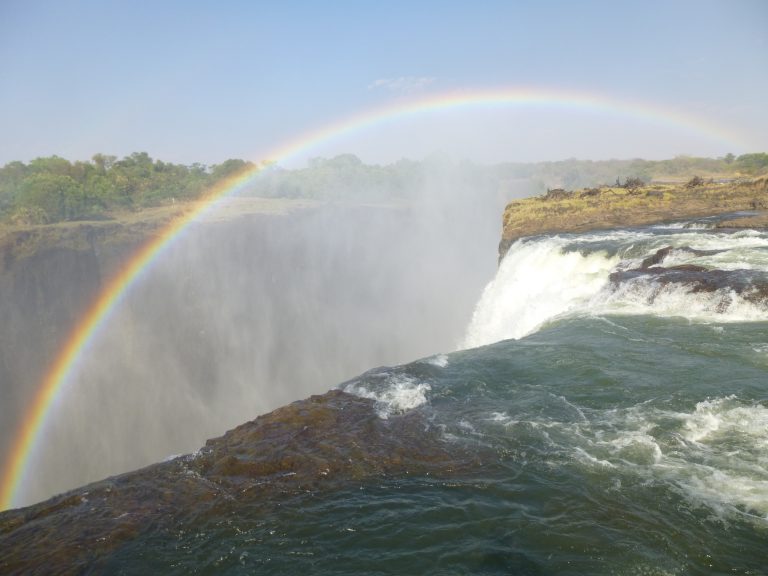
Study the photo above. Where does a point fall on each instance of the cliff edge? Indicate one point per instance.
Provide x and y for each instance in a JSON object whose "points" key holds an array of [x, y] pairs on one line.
{"points": [[614, 207], [307, 447]]}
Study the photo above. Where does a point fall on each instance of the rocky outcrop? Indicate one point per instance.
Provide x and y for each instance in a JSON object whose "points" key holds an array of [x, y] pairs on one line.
{"points": [[311, 445], [611, 207], [663, 253], [751, 285]]}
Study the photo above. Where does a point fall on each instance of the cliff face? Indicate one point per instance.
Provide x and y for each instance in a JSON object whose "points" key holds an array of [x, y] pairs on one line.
{"points": [[237, 317], [50, 274], [48, 277], [604, 208]]}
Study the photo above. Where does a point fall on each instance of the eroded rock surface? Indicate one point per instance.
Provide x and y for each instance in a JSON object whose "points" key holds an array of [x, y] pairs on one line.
{"points": [[312, 445]]}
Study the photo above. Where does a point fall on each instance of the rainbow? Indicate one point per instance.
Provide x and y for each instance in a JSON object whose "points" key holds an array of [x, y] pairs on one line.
{"points": [[30, 433]]}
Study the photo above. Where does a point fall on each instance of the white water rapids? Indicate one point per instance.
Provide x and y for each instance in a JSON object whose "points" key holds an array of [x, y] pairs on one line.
{"points": [[545, 278]]}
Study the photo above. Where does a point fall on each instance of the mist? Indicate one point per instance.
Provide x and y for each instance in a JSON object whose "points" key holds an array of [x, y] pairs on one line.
{"points": [[242, 314]]}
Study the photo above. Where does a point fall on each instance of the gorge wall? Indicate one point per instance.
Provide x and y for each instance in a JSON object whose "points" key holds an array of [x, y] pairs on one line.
{"points": [[241, 314]]}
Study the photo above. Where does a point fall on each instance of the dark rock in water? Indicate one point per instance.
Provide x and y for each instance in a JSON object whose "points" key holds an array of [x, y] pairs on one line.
{"points": [[311, 445], [687, 268], [752, 285], [657, 258], [663, 253]]}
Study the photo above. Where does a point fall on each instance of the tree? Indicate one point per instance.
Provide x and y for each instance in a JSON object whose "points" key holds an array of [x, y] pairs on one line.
{"points": [[753, 163], [11, 177], [50, 165], [229, 168], [59, 197], [102, 162]]}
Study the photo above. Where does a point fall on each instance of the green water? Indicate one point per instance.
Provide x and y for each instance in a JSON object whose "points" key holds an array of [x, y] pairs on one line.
{"points": [[621, 445], [607, 414]]}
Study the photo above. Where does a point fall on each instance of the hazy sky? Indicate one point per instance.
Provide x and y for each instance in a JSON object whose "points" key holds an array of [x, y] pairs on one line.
{"points": [[193, 81]]}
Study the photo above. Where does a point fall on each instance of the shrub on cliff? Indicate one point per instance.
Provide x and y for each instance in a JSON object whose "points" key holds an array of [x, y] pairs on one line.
{"points": [[633, 183]]}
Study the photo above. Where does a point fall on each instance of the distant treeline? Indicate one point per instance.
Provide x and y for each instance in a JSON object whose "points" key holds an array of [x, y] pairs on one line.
{"points": [[53, 189], [347, 177], [572, 174]]}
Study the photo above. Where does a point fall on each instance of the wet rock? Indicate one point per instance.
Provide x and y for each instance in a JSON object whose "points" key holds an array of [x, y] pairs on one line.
{"points": [[657, 258], [317, 444], [752, 285], [663, 253], [686, 268]]}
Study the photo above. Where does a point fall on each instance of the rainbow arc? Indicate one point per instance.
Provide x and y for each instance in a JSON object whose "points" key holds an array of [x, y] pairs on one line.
{"points": [[59, 376]]}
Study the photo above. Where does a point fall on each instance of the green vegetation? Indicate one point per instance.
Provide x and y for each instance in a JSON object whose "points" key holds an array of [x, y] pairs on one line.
{"points": [[753, 163], [571, 174], [342, 177], [346, 176], [54, 189]]}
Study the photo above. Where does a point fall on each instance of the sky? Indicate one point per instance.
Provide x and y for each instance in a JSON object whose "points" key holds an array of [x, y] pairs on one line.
{"points": [[191, 81]]}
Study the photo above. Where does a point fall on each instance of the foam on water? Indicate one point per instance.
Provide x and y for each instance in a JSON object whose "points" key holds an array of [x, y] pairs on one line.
{"points": [[715, 455], [685, 225], [536, 282], [440, 360], [394, 394], [727, 441], [721, 418], [746, 249], [645, 295]]}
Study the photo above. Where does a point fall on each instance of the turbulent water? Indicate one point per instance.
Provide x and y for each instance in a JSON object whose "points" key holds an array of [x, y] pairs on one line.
{"points": [[609, 415]]}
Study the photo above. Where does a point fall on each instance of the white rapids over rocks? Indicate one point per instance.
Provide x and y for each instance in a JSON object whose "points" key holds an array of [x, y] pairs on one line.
{"points": [[541, 279]]}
